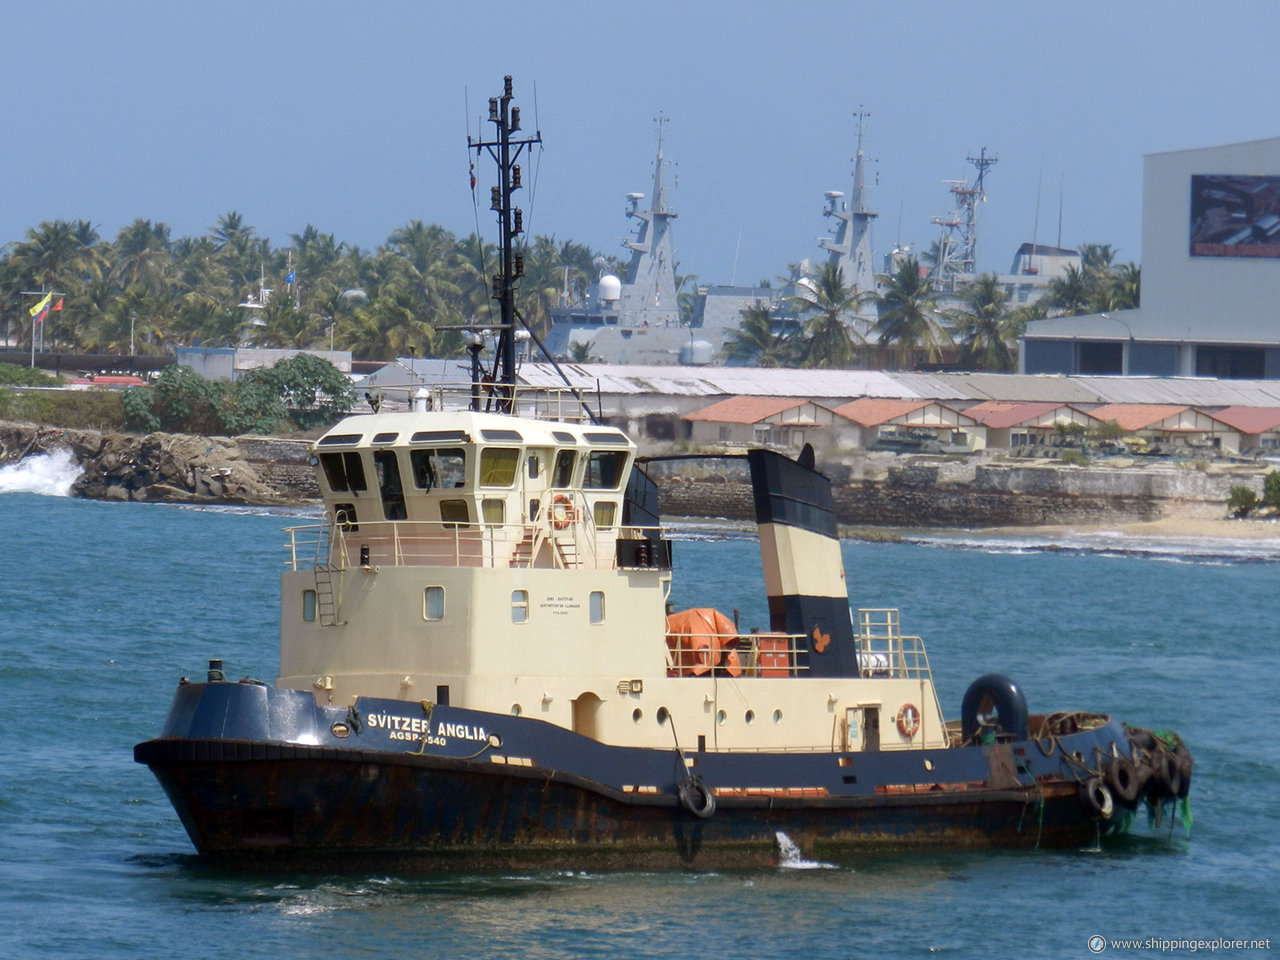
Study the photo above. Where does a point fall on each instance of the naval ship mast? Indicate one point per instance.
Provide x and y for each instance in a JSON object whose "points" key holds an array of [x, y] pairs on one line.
{"points": [[649, 291], [958, 246], [850, 249], [504, 151]]}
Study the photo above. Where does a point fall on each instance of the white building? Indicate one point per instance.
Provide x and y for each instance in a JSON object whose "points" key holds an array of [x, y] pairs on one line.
{"points": [[1210, 275]]}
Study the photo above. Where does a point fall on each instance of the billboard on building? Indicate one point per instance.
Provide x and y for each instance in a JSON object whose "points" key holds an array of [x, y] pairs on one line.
{"points": [[1234, 215]]}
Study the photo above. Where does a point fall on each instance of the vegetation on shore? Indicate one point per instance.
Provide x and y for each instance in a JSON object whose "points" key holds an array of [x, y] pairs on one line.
{"points": [[915, 321], [302, 392], [1244, 501], [147, 292]]}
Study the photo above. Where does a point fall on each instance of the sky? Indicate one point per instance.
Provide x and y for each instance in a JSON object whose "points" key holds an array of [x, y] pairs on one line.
{"points": [[354, 118]]}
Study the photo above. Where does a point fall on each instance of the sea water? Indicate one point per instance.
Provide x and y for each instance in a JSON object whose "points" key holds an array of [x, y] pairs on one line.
{"points": [[103, 607]]}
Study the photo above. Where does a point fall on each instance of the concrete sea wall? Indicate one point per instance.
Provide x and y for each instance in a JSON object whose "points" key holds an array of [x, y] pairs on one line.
{"points": [[916, 494]]}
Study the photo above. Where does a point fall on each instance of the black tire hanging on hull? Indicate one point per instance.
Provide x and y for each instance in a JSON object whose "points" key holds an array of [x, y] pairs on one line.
{"points": [[696, 797], [1125, 780], [1097, 798]]}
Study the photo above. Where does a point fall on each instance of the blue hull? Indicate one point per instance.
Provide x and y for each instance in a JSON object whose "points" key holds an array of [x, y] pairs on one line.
{"points": [[264, 777]]}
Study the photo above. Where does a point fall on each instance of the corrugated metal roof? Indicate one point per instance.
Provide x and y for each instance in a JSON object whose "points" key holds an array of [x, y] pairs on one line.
{"points": [[841, 385]]}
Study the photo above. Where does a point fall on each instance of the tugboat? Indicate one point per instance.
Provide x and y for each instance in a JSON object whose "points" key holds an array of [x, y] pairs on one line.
{"points": [[479, 670]]}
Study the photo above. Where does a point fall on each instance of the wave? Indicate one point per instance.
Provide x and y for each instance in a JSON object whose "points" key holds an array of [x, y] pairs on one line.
{"points": [[46, 474], [1197, 550]]}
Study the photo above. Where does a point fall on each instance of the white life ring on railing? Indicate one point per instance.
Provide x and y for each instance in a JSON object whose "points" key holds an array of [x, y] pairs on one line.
{"points": [[562, 512]]}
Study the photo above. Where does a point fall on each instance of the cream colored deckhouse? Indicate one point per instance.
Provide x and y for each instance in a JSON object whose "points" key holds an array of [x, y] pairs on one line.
{"points": [[486, 561]]}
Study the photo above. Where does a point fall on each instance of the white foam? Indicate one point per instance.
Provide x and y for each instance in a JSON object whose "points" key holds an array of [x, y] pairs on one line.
{"points": [[48, 474], [790, 857]]}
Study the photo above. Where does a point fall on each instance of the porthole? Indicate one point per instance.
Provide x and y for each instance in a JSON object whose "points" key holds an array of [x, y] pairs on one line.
{"points": [[750, 716], [516, 710], [777, 716], [637, 714], [662, 715], [721, 716], [928, 764]]}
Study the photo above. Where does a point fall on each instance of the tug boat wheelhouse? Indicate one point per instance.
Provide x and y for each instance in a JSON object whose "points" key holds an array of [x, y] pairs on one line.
{"points": [[478, 668]]}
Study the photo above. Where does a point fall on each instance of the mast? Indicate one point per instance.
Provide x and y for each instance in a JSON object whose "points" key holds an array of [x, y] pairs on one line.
{"points": [[850, 248], [649, 291], [505, 151]]}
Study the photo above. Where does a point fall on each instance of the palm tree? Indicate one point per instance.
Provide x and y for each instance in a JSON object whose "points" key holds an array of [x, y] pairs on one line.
{"points": [[141, 255], [987, 326], [1069, 295], [1096, 258], [831, 341], [1120, 290], [910, 318], [754, 341]]}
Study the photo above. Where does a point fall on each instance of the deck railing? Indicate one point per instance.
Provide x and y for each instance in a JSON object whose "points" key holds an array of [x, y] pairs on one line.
{"points": [[884, 652], [705, 654], [337, 546]]}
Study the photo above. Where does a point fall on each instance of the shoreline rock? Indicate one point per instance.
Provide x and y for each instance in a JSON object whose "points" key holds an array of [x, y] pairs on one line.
{"points": [[172, 468]]}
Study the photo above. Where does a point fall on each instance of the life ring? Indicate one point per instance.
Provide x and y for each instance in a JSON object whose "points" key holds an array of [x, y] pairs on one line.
{"points": [[1097, 798], [696, 797], [908, 720], [562, 512], [995, 694]]}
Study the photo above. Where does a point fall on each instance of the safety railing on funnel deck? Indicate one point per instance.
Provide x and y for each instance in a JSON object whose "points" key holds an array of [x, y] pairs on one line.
{"points": [[884, 652]]}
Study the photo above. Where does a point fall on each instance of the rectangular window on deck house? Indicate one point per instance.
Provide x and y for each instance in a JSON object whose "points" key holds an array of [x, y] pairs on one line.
{"points": [[498, 466], [433, 603]]}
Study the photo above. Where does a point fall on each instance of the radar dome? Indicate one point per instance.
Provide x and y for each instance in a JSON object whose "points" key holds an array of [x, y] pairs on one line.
{"points": [[610, 287], [697, 353]]}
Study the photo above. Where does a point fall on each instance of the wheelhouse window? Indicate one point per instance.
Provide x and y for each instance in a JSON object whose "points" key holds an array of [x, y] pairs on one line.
{"points": [[493, 511], [604, 513], [565, 462], [433, 603], [444, 468], [344, 515], [387, 466], [344, 472], [605, 470], [498, 466], [454, 512]]}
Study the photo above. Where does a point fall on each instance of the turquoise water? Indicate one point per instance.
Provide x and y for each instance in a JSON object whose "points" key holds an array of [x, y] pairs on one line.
{"points": [[104, 606]]}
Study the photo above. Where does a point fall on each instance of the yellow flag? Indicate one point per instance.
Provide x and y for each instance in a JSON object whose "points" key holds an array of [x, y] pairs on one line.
{"points": [[41, 306]]}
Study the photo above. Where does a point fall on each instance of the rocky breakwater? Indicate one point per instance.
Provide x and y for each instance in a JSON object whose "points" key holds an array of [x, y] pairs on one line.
{"points": [[169, 467]]}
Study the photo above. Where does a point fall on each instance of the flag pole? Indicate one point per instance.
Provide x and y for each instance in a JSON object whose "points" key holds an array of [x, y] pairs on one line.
{"points": [[38, 315]]}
